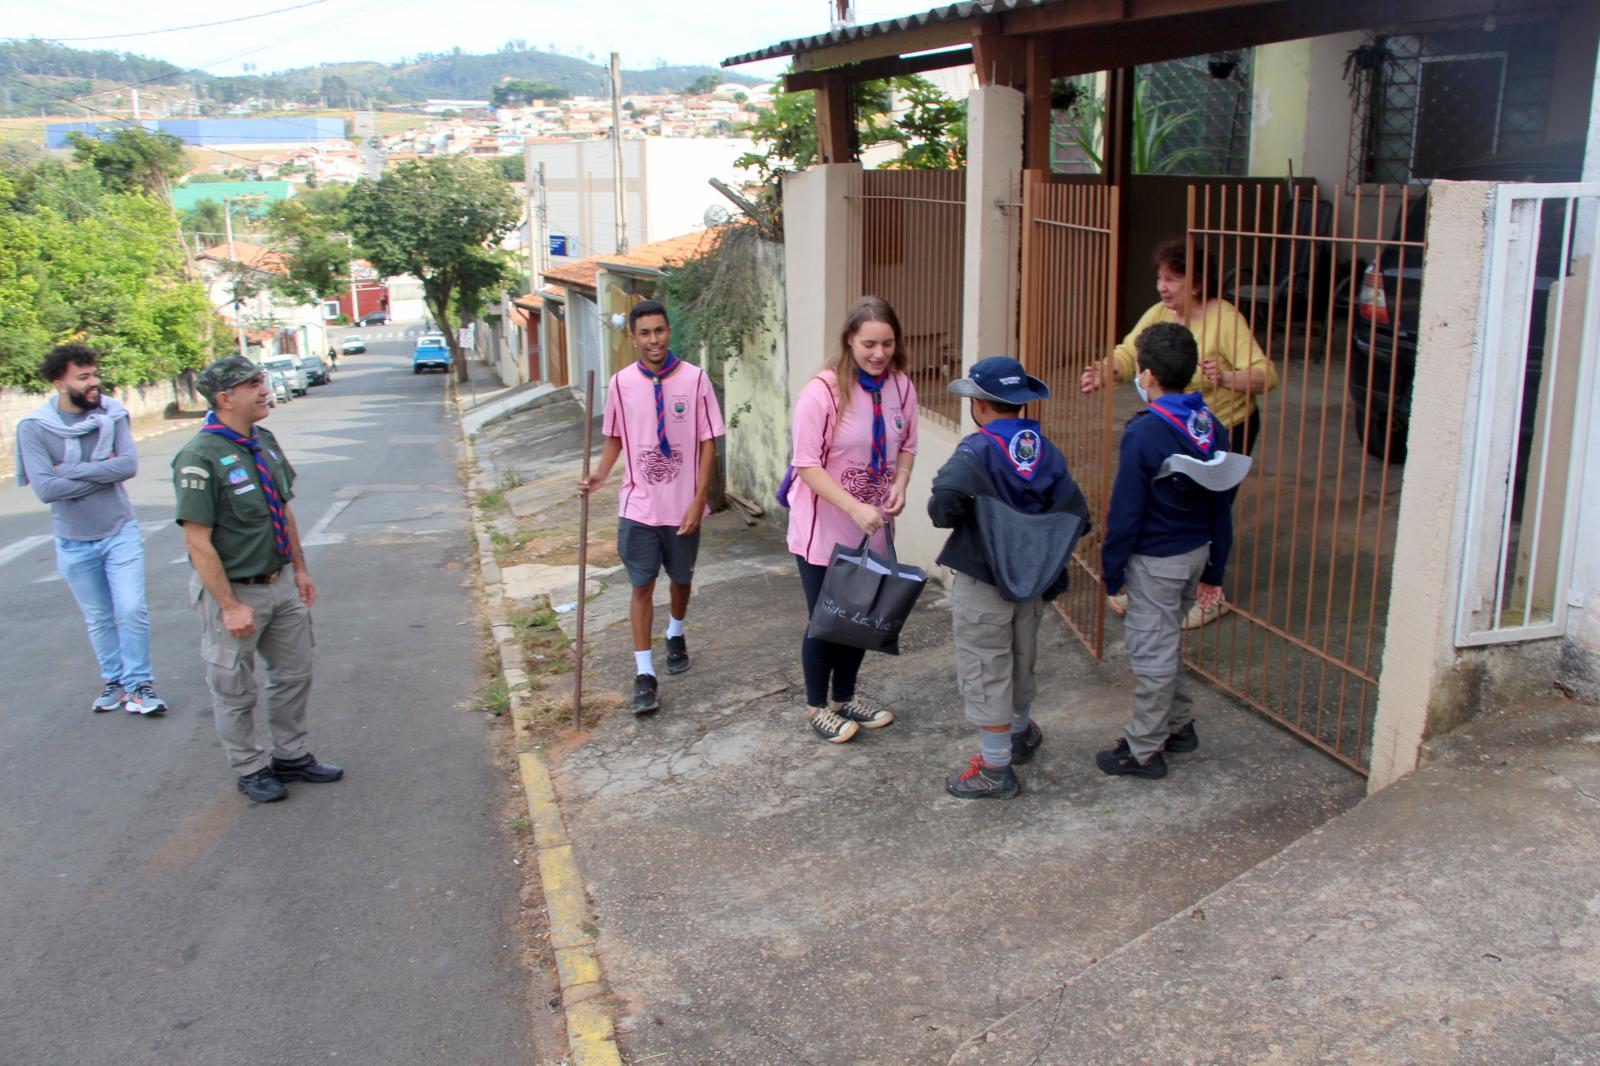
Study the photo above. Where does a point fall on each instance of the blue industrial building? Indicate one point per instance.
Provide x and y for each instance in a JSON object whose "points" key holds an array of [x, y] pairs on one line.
{"points": [[206, 132]]}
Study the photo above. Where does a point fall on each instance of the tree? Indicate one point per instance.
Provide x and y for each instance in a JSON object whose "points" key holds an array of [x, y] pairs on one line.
{"points": [[704, 85], [132, 158], [205, 218], [519, 92], [437, 219], [308, 229]]}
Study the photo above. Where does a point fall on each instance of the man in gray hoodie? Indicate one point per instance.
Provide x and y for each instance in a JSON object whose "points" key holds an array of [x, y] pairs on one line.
{"points": [[76, 450]]}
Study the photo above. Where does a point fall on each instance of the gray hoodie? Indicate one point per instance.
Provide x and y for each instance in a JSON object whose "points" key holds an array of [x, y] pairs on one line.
{"points": [[77, 462]]}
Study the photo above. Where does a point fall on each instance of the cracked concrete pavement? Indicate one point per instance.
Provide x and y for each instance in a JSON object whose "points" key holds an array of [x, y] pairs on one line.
{"points": [[763, 897]]}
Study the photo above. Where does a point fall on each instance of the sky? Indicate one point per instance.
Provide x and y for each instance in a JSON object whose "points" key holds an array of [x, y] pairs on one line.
{"points": [[643, 31]]}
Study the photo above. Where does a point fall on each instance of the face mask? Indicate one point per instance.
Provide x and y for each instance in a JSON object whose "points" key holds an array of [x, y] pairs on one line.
{"points": [[1144, 394]]}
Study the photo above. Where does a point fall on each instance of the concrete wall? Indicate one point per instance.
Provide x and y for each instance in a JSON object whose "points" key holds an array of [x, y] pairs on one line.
{"points": [[144, 403], [755, 392], [665, 181], [1281, 108], [1422, 689]]}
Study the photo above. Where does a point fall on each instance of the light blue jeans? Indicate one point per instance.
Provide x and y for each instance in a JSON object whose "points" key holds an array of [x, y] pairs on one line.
{"points": [[107, 579]]}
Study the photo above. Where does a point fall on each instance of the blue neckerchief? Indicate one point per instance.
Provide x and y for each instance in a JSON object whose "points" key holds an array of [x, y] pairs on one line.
{"points": [[668, 365], [269, 487], [1188, 416], [1019, 441], [880, 435]]}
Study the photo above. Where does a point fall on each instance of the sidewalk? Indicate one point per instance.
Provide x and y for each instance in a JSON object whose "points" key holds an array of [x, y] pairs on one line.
{"points": [[763, 897]]}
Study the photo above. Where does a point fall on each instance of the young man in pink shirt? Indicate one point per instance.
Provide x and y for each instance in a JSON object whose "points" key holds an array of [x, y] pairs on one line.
{"points": [[663, 420]]}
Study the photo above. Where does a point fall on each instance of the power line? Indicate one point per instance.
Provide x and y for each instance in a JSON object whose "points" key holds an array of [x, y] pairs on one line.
{"points": [[193, 26]]}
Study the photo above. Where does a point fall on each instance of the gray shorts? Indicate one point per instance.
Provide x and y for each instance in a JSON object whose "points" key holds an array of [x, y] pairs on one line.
{"points": [[647, 550]]}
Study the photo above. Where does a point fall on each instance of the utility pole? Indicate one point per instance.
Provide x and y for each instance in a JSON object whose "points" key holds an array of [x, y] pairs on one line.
{"points": [[355, 302], [617, 174], [544, 224], [535, 229], [233, 268]]}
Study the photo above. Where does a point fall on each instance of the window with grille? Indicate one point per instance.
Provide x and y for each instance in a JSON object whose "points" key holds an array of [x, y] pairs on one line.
{"points": [[1191, 116], [1424, 102]]}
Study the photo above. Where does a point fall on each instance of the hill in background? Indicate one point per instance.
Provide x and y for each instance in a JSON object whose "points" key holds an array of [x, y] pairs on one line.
{"points": [[38, 74]]}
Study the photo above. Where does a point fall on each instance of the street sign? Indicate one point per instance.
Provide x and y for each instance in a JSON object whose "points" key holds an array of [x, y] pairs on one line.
{"points": [[558, 244]]}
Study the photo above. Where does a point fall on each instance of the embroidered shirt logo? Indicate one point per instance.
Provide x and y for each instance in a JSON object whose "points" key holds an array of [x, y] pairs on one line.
{"points": [[237, 476], [1201, 428], [1024, 450]]}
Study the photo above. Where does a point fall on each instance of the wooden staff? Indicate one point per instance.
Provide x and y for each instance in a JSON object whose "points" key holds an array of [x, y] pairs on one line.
{"points": [[583, 552]]}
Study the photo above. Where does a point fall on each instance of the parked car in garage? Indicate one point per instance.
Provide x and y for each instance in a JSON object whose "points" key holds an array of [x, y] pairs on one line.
{"points": [[316, 370], [352, 345], [1389, 296], [376, 318]]}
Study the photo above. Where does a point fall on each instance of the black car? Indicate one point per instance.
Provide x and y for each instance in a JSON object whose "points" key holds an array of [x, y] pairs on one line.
{"points": [[316, 370], [1386, 340], [376, 318]]}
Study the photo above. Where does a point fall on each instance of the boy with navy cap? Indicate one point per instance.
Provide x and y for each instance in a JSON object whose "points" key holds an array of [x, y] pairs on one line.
{"points": [[1014, 513], [1168, 535]]}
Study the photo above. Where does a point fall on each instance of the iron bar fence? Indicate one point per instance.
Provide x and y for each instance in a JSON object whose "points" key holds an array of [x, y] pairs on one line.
{"points": [[1534, 378], [1068, 284], [913, 238], [1309, 578]]}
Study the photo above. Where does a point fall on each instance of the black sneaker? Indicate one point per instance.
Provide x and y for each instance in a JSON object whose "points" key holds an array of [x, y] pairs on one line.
{"points": [[982, 781], [263, 786], [306, 768], [677, 655], [1024, 744], [1119, 761], [645, 699], [1183, 741], [863, 714], [830, 726], [111, 697]]}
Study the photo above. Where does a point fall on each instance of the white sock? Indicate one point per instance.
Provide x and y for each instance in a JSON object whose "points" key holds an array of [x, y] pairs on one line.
{"points": [[674, 626], [643, 663]]}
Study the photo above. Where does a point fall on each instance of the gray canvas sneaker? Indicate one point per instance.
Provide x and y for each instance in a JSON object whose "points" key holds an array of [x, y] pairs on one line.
{"points": [[111, 697]]}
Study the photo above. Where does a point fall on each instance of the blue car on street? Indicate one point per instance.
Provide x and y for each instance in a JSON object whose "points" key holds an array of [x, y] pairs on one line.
{"points": [[430, 355]]}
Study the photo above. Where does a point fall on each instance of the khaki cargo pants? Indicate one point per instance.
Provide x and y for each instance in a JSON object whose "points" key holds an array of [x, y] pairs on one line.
{"points": [[996, 643], [283, 636], [1161, 589]]}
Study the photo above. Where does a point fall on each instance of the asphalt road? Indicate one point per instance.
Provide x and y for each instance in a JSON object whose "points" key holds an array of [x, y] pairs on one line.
{"points": [[151, 914]]}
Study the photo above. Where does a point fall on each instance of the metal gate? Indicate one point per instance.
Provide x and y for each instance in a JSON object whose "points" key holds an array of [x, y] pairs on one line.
{"points": [[1068, 288], [913, 239], [1309, 578]]}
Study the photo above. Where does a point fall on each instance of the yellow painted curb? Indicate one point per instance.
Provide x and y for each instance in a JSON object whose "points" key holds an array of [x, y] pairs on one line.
{"points": [[591, 1037]]}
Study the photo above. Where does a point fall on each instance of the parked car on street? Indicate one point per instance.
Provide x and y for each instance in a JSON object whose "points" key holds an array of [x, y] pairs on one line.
{"points": [[293, 374], [316, 370], [1384, 353], [430, 339], [430, 356], [352, 345], [280, 388], [376, 318]]}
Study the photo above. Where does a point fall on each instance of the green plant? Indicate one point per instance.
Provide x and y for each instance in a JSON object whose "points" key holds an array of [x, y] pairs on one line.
{"points": [[1155, 127], [492, 500], [496, 698], [510, 479], [520, 824], [719, 300]]}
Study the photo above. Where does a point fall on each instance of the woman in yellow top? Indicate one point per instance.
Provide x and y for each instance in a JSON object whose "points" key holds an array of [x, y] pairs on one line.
{"points": [[1233, 369]]}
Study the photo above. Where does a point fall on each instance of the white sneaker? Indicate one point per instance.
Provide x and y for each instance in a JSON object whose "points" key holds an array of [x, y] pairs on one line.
{"points": [[1203, 616]]}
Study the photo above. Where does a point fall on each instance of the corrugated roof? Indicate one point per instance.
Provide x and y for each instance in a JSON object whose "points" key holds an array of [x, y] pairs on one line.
{"points": [[254, 256], [844, 34]]}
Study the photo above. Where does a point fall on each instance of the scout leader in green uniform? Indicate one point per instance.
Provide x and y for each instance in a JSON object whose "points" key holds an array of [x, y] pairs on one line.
{"points": [[234, 485]]}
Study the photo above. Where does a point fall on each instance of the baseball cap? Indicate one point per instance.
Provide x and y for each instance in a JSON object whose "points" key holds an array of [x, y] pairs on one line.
{"points": [[1002, 379], [223, 375]]}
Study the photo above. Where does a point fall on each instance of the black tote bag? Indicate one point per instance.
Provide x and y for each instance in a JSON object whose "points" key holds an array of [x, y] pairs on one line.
{"points": [[866, 598]]}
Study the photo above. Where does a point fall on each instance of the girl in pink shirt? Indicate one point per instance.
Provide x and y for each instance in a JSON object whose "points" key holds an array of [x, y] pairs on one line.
{"points": [[855, 438]]}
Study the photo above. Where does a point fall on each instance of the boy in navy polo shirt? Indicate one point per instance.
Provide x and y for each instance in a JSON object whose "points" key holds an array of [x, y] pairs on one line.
{"points": [[1168, 535], [1014, 513]]}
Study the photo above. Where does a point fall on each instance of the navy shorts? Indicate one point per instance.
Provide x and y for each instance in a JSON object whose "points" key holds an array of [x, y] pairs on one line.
{"points": [[647, 550]]}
